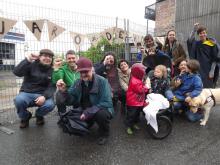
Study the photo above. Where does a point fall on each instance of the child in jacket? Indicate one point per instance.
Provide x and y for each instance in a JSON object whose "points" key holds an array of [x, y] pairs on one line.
{"points": [[135, 97]]}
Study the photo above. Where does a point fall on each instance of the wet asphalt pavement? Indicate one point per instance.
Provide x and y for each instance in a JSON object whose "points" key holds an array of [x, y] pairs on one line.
{"points": [[189, 143]]}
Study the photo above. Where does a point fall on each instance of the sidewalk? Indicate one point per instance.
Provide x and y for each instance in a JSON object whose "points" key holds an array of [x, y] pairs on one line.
{"points": [[189, 143]]}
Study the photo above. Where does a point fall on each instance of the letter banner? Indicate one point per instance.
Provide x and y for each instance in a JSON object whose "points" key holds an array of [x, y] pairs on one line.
{"points": [[5, 26], [54, 30], [35, 26], [108, 34], [138, 38], [94, 38], [78, 39], [120, 35]]}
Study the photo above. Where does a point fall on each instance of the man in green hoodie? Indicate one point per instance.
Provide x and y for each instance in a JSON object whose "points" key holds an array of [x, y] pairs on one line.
{"points": [[66, 72]]}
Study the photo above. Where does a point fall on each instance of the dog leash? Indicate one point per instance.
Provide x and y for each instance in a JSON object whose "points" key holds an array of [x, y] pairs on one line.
{"points": [[208, 99]]}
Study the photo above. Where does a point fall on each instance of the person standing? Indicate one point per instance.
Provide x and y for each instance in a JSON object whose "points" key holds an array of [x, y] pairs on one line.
{"points": [[37, 88], [205, 50], [174, 50]]}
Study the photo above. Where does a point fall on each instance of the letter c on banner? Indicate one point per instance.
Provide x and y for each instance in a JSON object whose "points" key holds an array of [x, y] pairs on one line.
{"points": [[108, 36], [77, 39]]}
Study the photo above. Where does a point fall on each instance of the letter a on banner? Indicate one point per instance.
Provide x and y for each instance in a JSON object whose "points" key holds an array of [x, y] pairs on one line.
{"points": [[5, 26], [54, 30], [94, 38], [78, 39], [35, 26]]}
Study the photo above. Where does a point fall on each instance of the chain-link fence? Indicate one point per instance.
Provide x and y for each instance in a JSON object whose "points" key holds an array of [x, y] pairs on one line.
{"points": [[20, 41]]}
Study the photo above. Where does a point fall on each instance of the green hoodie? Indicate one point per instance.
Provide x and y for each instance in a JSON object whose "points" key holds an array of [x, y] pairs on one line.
{"points": [[69, 76]]}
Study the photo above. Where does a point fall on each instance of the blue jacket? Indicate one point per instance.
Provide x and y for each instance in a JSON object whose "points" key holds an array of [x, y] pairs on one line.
{"points": [[191, 85], [100, 94]]}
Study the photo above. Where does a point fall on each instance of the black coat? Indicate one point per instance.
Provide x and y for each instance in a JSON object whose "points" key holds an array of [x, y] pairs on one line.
{"points": [[206, 55], [37, 78]]}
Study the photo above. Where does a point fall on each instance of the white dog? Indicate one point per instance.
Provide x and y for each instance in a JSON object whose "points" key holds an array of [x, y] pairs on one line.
{"points": [[207, 99]]}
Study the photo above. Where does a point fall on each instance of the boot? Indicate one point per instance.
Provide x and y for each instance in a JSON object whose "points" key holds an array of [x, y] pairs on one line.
{"points": [[25, 123], [39, 120]]}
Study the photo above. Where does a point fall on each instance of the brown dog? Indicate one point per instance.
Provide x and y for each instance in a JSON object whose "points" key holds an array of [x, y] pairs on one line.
{"points": [[206, 100]]}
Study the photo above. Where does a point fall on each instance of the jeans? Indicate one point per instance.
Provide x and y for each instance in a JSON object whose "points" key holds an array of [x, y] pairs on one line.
{"points": [[24, 100], [193, 117]]}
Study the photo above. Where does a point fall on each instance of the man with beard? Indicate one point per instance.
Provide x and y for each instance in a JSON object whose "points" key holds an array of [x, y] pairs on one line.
{"points": [[108, 69], [37, 88], [68, 73], [91, 93]]}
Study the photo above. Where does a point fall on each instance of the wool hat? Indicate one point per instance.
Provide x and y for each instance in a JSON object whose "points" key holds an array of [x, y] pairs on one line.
{"points": [[46, 51], [84, 64]]}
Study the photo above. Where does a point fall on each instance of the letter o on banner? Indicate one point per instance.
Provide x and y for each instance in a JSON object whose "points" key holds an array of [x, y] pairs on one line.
{"points": [[77, 39]]}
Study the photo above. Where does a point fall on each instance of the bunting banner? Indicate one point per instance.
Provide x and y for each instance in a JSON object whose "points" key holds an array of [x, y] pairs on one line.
{"points": [[35, 26], [5, 26], [108, 34], [120, 35], [54, 30], [94, 38], [78, 39], [138, 39]]}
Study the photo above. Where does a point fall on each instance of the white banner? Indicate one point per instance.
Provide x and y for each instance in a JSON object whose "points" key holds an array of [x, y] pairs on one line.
{"points": [[138, 38], [5, 26], [54, 30], [78, 39], [94, 38], [120, 35], [35, 26], [109, 35]]}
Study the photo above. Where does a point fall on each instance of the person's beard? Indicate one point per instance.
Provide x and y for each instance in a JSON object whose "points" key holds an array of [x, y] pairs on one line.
{"points": [[109, 67]]}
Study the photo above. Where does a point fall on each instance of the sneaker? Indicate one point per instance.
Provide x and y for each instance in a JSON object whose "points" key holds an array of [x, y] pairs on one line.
{"points": [[129, 131], [25, 123], [102, 140], [39, 120], [136, 127]]}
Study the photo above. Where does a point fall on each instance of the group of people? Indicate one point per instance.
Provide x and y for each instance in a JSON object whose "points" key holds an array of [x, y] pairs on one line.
{"points": [[97, 89]]}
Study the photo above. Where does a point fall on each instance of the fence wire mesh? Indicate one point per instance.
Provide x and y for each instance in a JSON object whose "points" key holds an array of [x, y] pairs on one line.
{"points": [[12, 51]]}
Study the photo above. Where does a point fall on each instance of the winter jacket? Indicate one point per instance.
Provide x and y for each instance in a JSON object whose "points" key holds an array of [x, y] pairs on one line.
{"points": [[111, 75], [37, 78], [137, 90], [159, 85], [176, 53], [191, 85], [69, 76], [124, 79], [100, 94]]}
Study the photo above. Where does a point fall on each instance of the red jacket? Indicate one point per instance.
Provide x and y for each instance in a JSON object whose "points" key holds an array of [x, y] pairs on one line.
{"points": [[135, 95]]}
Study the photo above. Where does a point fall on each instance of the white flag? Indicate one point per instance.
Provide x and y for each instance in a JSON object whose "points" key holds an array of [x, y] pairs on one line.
{"points": [[35, 26], [78, 39], [54, 30], [94, 38], [5, 26]]}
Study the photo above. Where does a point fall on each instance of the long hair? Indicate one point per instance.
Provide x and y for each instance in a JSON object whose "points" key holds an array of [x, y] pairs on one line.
{"points": [[166, 40], [112, 54]]}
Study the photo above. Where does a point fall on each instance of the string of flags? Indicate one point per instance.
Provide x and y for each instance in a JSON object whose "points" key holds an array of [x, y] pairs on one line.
{"points": [[115, 34]]}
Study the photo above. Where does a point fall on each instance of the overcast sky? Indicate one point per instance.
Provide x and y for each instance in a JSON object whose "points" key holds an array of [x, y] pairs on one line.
{"points": [[133, 10]]}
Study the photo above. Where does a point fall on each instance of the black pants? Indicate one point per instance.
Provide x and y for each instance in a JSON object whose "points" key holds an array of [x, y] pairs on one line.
{"points": [[133, 115], [102, 118]]}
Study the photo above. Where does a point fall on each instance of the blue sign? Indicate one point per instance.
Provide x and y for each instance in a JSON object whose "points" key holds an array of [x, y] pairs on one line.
{"points": [[15, 36]]}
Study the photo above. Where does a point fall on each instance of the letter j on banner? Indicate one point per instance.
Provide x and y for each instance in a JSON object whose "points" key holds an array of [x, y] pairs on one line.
{"points": [[5, 26]]}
